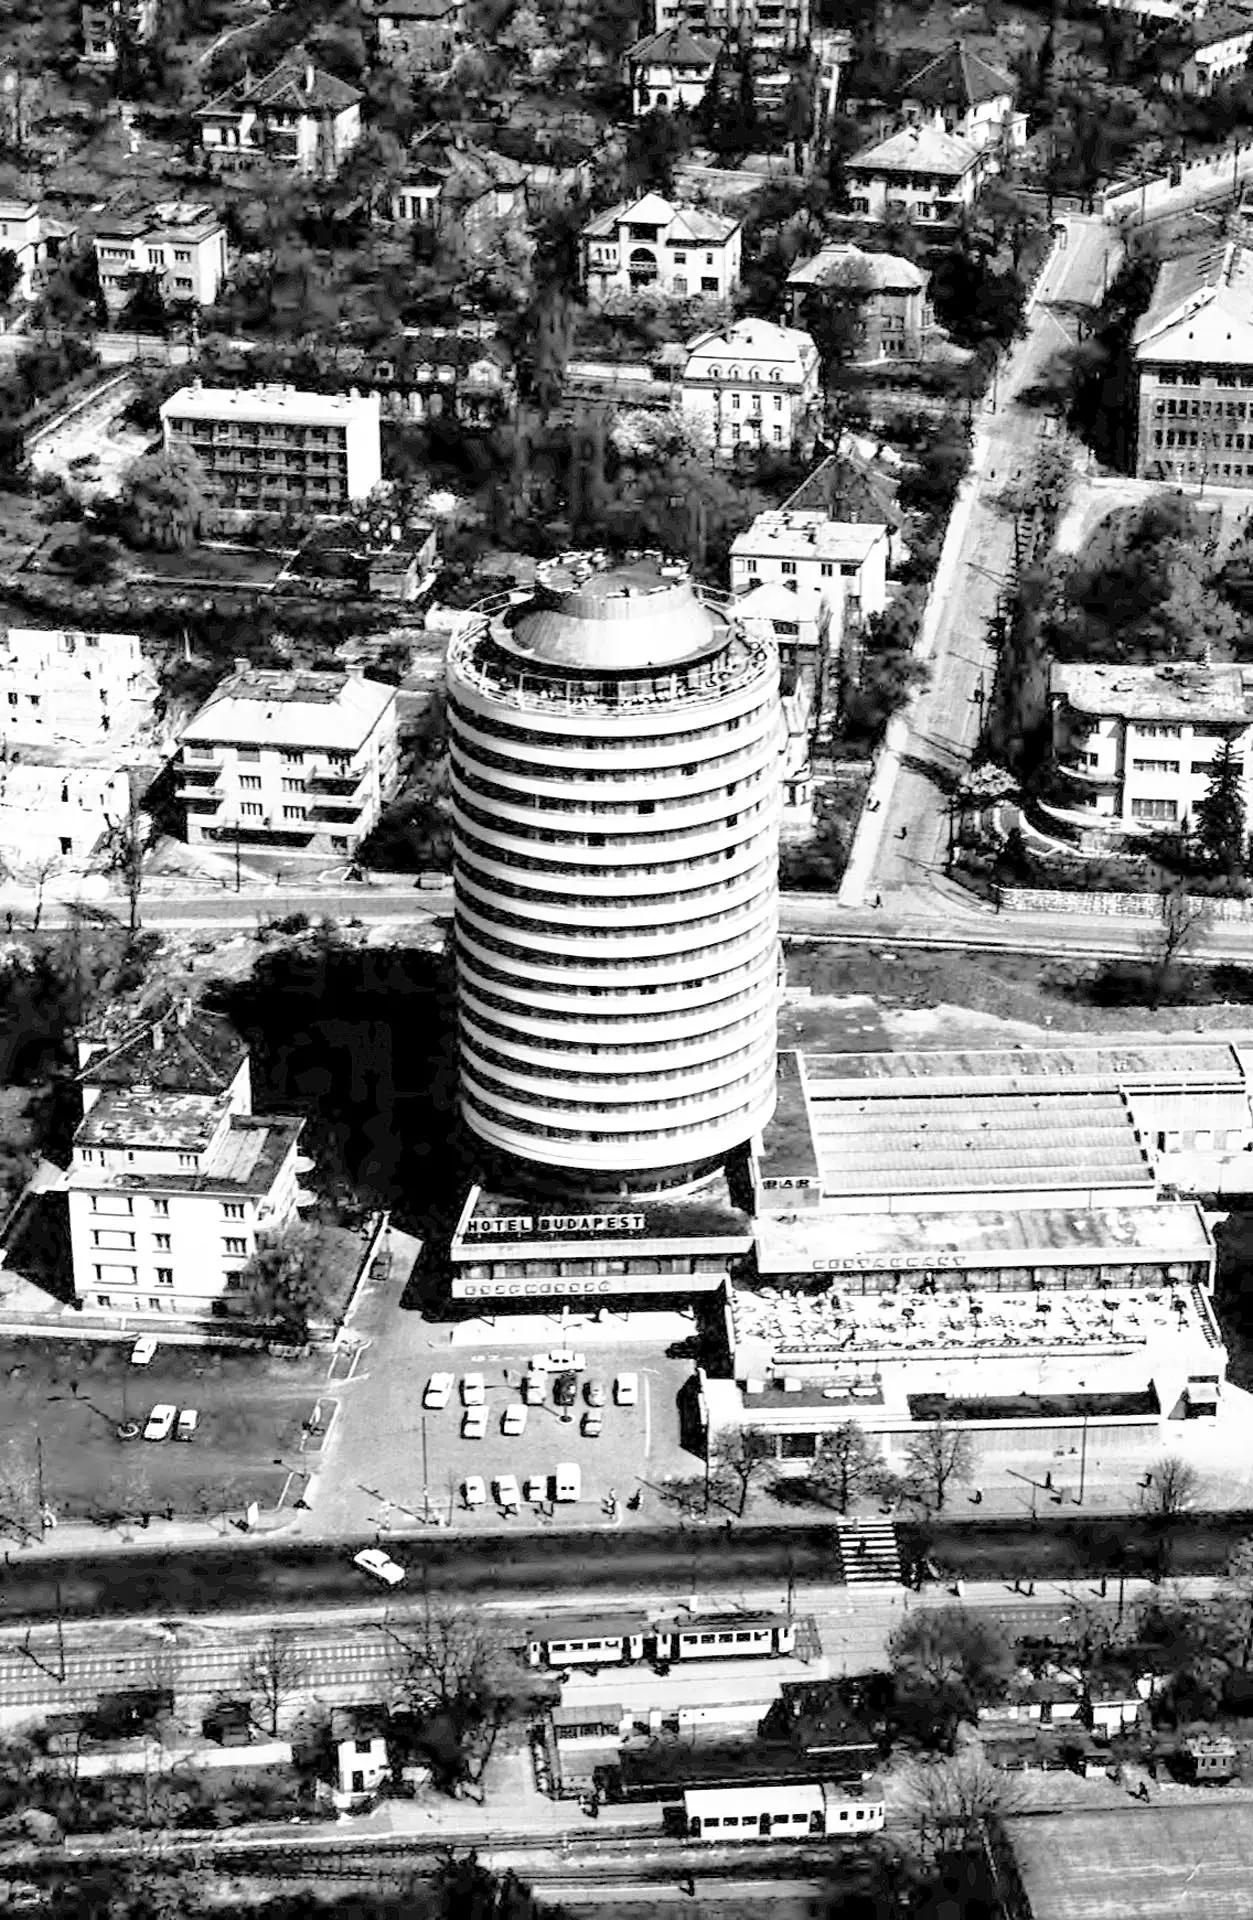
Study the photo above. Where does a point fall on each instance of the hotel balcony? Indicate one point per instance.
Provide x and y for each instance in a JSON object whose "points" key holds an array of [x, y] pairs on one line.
{"points": [[333, 815], [342, 784]]}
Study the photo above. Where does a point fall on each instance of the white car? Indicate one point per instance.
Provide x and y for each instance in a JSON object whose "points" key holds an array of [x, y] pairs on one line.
{"points": [[144, 1350], [474, 1491], [505, 1487], [533, 1388], [188, 1421], [565, 1362], [474, 1423], [514, 1420], [160, 1423], [626, 1390], [473, 1391], [438, 1391], [374, 1561]]}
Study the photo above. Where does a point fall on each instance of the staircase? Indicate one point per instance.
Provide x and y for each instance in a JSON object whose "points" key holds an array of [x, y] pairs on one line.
{"points": [[869, 1555]]}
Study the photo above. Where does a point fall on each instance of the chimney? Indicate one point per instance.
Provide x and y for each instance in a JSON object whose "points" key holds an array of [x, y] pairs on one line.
{"points": [[309, 77], [184, 1010], [356, 671], [241, 665], [158, 1037]]}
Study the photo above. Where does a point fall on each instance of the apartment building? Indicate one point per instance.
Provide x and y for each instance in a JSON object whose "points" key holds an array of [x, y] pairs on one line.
{"points": [[21, 234], [296, 114], [894, 315], [768, 29], [671, 70], [294, 762], [1194, 365], [418, 36], [184, 243], [1222, 41], [960, 94], [920, 174], [1137, 744], [109, 25], [265, 448], [60, 685], [173, 1177], [809, 550], [648, 243], [755, 384]]}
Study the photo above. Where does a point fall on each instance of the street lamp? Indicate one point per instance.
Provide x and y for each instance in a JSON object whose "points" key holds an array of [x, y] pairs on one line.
{"points": [[1083, 1451]]}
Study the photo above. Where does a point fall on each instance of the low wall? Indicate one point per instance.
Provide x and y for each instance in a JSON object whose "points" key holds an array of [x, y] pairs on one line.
{"points": [[1122, 906], [1198, 180]]}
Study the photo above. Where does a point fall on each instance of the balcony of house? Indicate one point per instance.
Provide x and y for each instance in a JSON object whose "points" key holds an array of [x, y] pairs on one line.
{"points": [[204, 761], [292, 834], [338, 782], [328, 813], [200, 803]]}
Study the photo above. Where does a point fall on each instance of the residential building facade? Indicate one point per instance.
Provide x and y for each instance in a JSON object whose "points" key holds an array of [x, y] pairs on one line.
{"points": [[268, 447], [58, 685], [173, 1178], [894, 313], [54, 810], [109, 25], [920, 174], [183, 243], [296, 115], [21, 234], [1222, 41], [671, 70], [809, 550], [648, 243], [755, 384], [301, 761], [1137, 744], [418, 36], [960, 94], [1194, 365], [449, 181], [765, 28]]}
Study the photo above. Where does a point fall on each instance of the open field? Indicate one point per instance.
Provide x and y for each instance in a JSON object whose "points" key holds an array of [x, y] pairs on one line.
{"points": [[1138, 1863]]}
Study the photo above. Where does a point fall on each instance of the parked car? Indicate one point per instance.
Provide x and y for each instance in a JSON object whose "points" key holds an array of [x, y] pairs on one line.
{"points": [[626, 1389], [374, 1561], [438, 1391], [565, 1390], [533, 1389], [474, 1423], [594, 1393], [505, 1488], [160, 1424], [561, 1360], [536, 1489], [592, 1424], [474, 1491], [514, 1420], [473, 1390], [188, 1421], [144, 1350]]}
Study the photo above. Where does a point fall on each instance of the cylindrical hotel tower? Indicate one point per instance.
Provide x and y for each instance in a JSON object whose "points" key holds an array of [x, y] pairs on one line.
{"points": [[615, 782]]}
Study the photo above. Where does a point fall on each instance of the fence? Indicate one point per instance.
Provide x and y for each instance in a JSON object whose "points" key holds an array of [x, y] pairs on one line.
{"points": [[1182, 187], [1123, 906]]}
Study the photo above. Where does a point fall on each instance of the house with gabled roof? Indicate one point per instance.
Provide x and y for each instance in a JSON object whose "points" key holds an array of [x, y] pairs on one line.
{"points": [[754, 385], [671, 70], [296, 114], [893, 312], [451, 179], [1194, 364], [961, 93], [678, 250], [920, 174]]}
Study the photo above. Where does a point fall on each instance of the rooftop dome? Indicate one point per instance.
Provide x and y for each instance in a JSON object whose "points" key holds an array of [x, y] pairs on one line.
{"points": [[624, 619]]}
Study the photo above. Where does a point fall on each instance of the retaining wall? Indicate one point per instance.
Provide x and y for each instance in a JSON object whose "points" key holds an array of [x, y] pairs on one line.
{"points": [[1185, 186], [1122, 906]]}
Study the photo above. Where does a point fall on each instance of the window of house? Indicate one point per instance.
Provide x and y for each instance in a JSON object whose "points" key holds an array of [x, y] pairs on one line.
{"points": [[233, 1209], [251, 809], [1155, 766], [235, 1246], [187, 1160], [293, 786], [161, 1208], [787, 566], [165, 1276], [293, 813], [250, 782], [161, 1241], [293, 759], [1143, 809]]}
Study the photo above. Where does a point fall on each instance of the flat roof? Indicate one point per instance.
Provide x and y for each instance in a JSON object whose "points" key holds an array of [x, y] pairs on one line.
{"points": [[245, 1161], [138, 1116], [804, 529], [1138, 1862], [500, 1223], [287, 404], [975, 1237], [1155, 1063], [1166, 692]]}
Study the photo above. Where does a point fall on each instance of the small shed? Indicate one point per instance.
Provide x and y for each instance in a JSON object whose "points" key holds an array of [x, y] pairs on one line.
{"points": [[362, 1763]]}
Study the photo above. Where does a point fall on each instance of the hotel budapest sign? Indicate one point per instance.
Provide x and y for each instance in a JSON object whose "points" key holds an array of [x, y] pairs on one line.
{"points": [[519, 1226]]}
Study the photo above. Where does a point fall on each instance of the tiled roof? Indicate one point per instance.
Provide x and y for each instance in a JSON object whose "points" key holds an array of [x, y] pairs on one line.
{"points": [[753, 342], [416, 9], [286, 86], [1220, 23], [196, 1052], [958, 78], [674, 48], [680, 222], [847, 265], [917, 150]]}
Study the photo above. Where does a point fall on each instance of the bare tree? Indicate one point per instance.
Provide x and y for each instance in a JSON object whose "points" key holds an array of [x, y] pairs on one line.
{"points": [[848, 1463], [40, 871], [1180, 922], [137, 1493], [949, 1661], [937, 1457], [454, 1668], [1171, 1487], [951, 1799], [126, 845], [276, 1670], [737, 1457]]}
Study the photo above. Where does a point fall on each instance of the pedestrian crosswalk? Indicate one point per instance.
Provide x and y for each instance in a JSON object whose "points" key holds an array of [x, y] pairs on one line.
{"points": [[869, 1555]]}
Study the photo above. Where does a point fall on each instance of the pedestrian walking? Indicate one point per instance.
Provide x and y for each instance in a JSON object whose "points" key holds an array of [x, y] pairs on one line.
{"points": [[902, 833], [878, 899]]}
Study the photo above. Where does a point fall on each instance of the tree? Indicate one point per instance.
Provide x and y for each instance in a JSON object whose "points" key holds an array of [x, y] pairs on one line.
{"points": [[19, 1492], [163, 501], [1173, 1488], [1220, 812], [145, 311], [949, 1661], [10, 275], [1180, 922], [952, 1799], [938, 1456], [276, 1670], [455, 1669], [287, 1281], [848, 1463], [740, 1456], [1236, 1601], [125, 845], [466, 1890]]}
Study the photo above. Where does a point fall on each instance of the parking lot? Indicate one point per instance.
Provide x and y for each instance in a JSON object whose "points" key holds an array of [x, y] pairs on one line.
{"points": [[66, 1402], [394, 1464]]}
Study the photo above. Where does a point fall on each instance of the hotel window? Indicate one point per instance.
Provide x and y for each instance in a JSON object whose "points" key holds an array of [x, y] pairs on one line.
{"points": [[234, 1246], [161, 1208], [165, 1276], [161, 1241]]}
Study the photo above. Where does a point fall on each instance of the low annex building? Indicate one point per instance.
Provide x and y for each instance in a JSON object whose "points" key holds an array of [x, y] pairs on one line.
{"points": [[173, 1177], [681, 251], [1194, 364]]}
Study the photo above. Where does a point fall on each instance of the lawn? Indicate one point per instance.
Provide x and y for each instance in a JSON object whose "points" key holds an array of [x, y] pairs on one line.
{"points": [[65, 1400]]}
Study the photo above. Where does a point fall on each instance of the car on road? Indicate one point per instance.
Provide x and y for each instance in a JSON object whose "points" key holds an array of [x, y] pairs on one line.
{"points": [[474, 1491], [374, 1561], [513, 1421], [565, 1390], [474, 1423], [160, 1423], [533, 1389], [505, 1487], [626, 1390], [594, 1393], [143, 1351], [438, 1391], [592, 1424], [473, 1390], [188, 1421]]}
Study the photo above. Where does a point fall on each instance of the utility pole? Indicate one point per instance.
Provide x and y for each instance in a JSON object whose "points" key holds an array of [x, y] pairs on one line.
{"points": [[237, 859], [426, 1497], [39, 1482]]}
